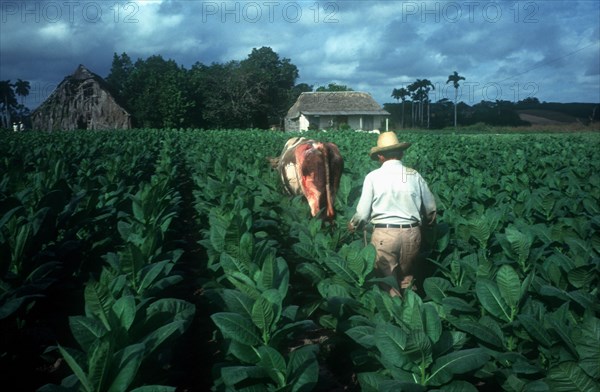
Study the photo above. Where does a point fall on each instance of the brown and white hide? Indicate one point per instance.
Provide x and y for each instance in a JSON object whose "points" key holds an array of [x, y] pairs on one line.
{"points": [[313, 169]]}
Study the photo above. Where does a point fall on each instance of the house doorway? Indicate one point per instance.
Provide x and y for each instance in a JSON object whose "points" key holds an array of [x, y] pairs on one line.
{"points": [[340, 122]]}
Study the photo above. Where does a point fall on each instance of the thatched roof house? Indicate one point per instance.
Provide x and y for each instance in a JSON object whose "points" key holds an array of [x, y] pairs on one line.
{"points": [[81, 101], [321, 110]]}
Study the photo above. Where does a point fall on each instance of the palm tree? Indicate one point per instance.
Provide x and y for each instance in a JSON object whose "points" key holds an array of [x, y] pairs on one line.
{"points": [[455, 78], [401, 94], [427, 86], [8, 99], [420, 93], [415, 90], [22, 89]]}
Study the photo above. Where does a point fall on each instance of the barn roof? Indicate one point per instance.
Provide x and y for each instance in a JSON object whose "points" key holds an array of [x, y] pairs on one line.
{"points": [[82, 99], [336, 103]]}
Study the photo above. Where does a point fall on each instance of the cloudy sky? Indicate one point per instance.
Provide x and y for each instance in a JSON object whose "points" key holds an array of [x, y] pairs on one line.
{"points": [[508, 50]]}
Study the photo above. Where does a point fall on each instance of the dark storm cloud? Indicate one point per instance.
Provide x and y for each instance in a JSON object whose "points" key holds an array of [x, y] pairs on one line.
{"points": [[507, 46]]}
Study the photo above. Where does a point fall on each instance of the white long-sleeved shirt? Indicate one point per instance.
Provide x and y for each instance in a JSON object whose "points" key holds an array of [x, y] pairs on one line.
{"points": [[394, 194]]}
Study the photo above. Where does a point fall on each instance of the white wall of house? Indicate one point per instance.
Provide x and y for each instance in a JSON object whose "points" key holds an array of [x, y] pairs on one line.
{"points": [[365, 122], [359, 122]]}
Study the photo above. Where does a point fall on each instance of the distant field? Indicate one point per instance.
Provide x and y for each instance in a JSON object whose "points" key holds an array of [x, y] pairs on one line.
{"points": [[549, 117]]}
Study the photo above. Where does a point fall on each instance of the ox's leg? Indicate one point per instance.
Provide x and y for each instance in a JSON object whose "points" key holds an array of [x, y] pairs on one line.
{"points": [[313, 195], [334, 169]]}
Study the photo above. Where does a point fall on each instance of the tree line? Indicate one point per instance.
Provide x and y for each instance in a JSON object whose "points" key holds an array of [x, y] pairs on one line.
{"points": [[253, 93], [10, 108]]}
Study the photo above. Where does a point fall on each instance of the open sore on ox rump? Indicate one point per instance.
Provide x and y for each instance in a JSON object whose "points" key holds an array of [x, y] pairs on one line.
{"points": [[313, 169]]}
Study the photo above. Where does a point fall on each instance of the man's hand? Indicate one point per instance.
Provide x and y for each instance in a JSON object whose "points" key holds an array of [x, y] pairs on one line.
{"points": [[351, 227]]}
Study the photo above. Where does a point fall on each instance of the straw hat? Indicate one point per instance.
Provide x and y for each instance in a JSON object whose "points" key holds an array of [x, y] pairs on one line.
{"points": [[387, 141]]}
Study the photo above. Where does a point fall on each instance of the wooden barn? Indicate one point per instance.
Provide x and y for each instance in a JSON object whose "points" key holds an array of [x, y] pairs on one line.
{"points": [[81, 101]]}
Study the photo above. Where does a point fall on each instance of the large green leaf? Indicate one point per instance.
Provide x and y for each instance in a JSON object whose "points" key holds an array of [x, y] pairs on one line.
{"points": [[585, 299], [155, 338], [98, 302], [451, 304], [363, 335], [509, 285], [86, 330], [305, 250], [275, 274], [418, 349], [340, 267], [431, 322], [99, 363], [391, 341], [535, 329], [586, 339], [154, 388], [459, 386], [491, 300], [410, 311], [312, 271], [172, 309], [285, 331], [237, 302], [77, 369], [124, 309], [568, 377], [20, 244], [237, 327], [263, 316], [581, 277], [243, 283], [231, 375], [370, 381], [360, 259], [520, 243], [149, 274], [483, 226], [129, 360], [244, 353], [368, 255], [273, 363], [562, 328], [479, 331], [303, 369], [401, 385], [459, 362], [231, 264], [436, 288]]}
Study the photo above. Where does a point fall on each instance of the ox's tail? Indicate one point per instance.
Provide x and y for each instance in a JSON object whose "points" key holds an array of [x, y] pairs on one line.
{"points": [[328, 193]]}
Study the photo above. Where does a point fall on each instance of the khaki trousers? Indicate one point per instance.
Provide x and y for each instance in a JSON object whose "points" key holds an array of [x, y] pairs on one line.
{"points": [[397, 253]]}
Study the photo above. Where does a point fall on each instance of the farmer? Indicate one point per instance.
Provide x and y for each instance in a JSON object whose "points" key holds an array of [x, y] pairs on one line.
{"points": [[397, 201]]}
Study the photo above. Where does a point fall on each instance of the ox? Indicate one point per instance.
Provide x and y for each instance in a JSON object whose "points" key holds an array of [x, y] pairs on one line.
{"points": [[313, 169]]}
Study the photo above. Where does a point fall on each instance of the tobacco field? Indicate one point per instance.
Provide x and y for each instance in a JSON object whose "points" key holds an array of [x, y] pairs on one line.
{"points": [[170, 260]]}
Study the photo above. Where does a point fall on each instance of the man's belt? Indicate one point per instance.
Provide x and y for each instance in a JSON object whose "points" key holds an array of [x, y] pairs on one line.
{"points": [[390, 226]]}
